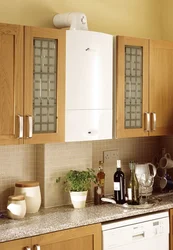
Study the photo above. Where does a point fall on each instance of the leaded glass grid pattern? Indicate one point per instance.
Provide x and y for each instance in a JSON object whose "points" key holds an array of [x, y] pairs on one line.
{"points": [[133, 86], [44, 85]]}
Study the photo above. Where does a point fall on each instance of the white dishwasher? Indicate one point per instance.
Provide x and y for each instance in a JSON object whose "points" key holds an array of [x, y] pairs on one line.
{"points": [[148, 232]]}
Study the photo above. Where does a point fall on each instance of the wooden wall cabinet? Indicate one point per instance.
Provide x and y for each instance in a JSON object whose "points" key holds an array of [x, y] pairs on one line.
{"points": [[81, 238], [131, 87], [11, 82], [32, 96], [22, 244], [44, 81], [144, 83], [161, 86]]}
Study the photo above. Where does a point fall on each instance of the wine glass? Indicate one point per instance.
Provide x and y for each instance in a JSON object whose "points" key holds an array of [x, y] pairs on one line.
{"points": [[146, 181]]}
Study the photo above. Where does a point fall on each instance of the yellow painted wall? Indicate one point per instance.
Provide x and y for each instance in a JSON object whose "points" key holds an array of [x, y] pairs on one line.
{"points": [[167, 19], [124, 17]]}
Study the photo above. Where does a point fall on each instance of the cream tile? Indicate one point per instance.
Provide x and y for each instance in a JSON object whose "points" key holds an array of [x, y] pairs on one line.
{"points": [[16, 163], [47, 162]]}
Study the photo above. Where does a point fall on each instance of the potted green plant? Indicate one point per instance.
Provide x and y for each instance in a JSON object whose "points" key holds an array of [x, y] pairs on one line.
{"points": [[78, 183]]}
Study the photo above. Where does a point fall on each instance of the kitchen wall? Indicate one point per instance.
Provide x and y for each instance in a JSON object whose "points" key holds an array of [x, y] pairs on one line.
{"points": [[141, 18], [17, 163], [167, 20], [54, 160], [167, 143], [47, 162]]}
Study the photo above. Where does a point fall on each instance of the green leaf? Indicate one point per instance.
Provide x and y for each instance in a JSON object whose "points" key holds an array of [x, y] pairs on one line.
{"points": [[76, 180]]}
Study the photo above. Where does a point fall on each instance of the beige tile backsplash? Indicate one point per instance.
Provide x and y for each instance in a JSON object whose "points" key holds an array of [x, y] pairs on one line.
{"points": [[140, 150], [167, 143], [59, 158], [16, 163], [47, 162]]}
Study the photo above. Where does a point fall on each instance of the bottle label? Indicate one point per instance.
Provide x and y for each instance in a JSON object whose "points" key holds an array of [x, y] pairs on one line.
{"points": [[102, 182], [99, 190], [129, 193], [116, 186]]}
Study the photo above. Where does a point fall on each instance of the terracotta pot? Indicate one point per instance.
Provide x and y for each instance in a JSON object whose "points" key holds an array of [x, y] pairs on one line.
{"points": [[78, 199]]}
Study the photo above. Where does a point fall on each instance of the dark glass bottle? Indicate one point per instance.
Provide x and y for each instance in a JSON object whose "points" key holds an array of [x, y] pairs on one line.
{"points": [[99, 188], [119, 185], [133, 186]]}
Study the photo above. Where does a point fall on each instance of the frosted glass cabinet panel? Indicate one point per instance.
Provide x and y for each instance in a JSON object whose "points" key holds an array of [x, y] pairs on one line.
{"points": [[132, 87], [44, 85]]}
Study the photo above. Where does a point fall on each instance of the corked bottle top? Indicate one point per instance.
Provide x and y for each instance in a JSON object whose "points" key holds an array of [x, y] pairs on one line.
{"points": [[27, 184], [16, 198]]}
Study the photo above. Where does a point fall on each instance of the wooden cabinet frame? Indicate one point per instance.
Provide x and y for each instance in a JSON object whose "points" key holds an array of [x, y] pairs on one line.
{"points": [[16, 81], [11, 82], [81, 238], [119, 105], [161, 86], [59, 35], [16, 244]]}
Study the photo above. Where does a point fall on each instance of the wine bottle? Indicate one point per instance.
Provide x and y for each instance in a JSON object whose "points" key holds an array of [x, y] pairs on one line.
{"points": [[133, 186], [119, 185], [99, 188]]}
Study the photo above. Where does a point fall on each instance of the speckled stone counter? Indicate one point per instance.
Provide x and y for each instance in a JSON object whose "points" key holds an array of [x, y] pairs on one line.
{"points": [[60, 218]]}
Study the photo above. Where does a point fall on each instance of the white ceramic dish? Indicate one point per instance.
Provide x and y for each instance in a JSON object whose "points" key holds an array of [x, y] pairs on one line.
{"points": [[125, 205]]}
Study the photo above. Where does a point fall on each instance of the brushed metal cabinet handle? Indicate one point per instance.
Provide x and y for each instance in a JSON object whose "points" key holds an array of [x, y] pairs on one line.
{"points": [[27, 248], [36, 247], [29, 126], [20, 117], [146, 121], [153, 121]]}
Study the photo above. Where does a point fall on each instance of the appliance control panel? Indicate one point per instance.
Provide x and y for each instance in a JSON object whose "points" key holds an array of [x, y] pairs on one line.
{"points": [[158, 227]]}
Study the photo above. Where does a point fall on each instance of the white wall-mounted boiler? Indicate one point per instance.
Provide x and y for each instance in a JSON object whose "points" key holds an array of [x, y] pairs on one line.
{"points": [[89, 86], [89, 80]]}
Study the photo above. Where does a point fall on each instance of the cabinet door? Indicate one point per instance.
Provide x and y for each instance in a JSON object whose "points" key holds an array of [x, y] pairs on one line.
{"points": [[44, 85], [160, 87], [81, 238], [23, 244], [131, 87], [11, 83]]}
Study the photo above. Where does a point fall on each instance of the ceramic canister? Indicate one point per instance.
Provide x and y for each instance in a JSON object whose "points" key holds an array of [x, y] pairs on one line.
{"points": [[16, 207], [31, 190]]}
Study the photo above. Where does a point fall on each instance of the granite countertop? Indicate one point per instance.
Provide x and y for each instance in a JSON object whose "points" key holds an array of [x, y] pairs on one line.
{"points": [[60, 218]]}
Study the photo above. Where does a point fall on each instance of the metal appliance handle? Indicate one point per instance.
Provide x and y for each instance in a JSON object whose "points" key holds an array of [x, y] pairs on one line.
{"points": [[138, 235]]}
